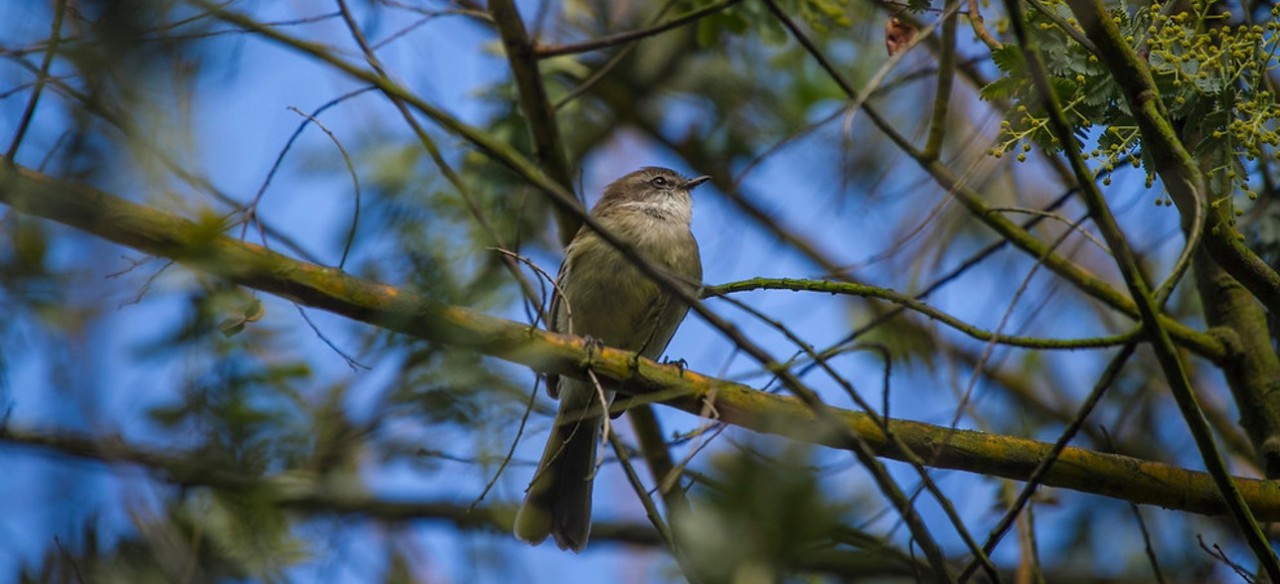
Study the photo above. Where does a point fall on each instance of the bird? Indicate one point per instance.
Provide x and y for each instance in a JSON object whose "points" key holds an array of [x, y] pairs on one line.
{"points": [[601, 295]]}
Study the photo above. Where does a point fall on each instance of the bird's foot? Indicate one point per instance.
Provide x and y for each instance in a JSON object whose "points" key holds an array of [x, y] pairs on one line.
{"points": [[593, 346], [680, 363]]}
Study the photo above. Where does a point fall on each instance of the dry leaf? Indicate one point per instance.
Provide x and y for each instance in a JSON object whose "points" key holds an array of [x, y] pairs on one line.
{"points": [[897, 35]]}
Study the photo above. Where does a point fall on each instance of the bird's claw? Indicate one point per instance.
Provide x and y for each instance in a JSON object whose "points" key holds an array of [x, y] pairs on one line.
{"points": [[593, 346], [680, 363]]}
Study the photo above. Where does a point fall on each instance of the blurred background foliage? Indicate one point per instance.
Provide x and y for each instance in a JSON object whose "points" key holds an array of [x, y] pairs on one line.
{"points": [[234, 437]]}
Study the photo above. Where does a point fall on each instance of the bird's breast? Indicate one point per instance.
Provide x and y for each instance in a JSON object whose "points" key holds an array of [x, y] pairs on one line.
{"points": [[608, 297]]}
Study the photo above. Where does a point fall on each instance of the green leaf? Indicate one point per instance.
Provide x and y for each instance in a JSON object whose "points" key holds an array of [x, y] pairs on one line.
{"points": [[773, 33], [1063, 88], [1010, 61], [252, 312], [706, 32], [231, 326], [918, 6], [1003, 88]]}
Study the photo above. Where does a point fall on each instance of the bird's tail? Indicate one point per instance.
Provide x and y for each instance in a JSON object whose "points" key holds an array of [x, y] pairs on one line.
{"points": [[558, 502]]}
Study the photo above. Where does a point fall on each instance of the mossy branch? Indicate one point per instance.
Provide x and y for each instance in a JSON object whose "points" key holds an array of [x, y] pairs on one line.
{"points": [[309, 495], [202, 247]]}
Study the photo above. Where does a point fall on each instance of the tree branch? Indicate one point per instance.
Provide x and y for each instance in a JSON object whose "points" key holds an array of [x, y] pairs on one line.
{"points": [[202, 247], [547, 145], [302, 494], [908, 302], [1090, 284], [548, 51], [1175, 165], [1166, 353], [939, 120]]}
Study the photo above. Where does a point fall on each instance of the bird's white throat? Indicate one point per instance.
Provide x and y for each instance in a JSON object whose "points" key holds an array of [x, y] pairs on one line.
{"points": [[667, 208]]}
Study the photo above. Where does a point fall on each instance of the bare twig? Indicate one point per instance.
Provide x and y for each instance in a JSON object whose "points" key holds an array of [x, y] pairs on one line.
{"points": [[41, 78], [1105, 381], [548, 51]]}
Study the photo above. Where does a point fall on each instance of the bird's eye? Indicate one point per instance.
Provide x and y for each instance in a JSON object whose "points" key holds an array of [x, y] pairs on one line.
{"points": [[659, 181]]}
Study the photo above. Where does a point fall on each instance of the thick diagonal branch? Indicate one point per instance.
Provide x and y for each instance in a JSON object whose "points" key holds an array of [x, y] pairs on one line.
{"points": [[547, 145], [203, 248]]}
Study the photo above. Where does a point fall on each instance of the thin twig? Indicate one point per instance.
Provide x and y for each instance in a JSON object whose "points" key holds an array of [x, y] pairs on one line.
{"points": [[979, 25], [608, 66], [355, 184], [250, 210], [429, 145], [1147, 545], [908, 302], [548, 51], [1217, 554], [1105, 381], [1071, 225], [41, 78], [646, 501], [351, 361], [987, 350], [606, 421], [511, 452]]}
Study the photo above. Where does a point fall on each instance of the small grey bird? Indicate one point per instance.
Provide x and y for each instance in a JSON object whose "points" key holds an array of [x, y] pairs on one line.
{"points": [[606, 298]]}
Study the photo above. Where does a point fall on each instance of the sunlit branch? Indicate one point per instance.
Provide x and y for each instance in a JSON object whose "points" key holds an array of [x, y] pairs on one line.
{"points": [[158, 232], [565, 202]]}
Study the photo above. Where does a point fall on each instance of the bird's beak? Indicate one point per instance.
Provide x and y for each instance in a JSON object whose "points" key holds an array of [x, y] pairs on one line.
{"points": [[693, 182]]}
